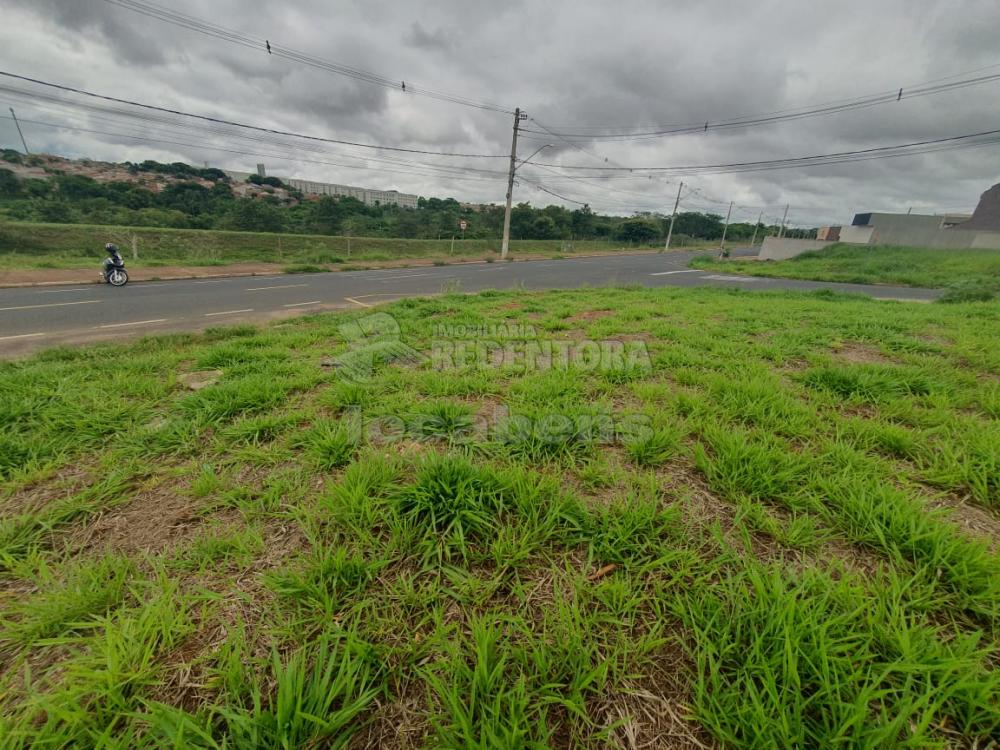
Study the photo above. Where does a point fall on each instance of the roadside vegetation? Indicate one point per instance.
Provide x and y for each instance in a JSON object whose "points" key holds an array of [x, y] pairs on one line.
{"points": [[52, 216], [34, 246], [41, 188], [968, 275], [779, 529]]}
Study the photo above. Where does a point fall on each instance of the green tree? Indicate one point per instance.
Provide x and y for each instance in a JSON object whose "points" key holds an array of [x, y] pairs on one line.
{"points": [[694, 224], [582, 223], [56, 211], [254, 216], [544, 228], [10, 186], [638, 230]]}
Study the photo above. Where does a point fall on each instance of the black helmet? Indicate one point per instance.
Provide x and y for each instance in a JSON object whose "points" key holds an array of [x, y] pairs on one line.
{"points": [[112, 248]]}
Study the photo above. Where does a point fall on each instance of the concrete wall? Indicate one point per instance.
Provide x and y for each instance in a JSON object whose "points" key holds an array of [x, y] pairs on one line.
{"points": [[945, 239], [987, 240], [784, 248], [917, 231], [856, 235]]}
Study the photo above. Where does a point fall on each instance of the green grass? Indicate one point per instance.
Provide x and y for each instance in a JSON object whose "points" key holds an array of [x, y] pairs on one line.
{"points": [[761, 535], [34, 245], [967, 275]]}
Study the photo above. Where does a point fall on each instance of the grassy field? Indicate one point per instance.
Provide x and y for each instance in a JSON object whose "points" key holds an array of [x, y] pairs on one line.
{"points": [[970, 274], [26, 246], [613, 518]]}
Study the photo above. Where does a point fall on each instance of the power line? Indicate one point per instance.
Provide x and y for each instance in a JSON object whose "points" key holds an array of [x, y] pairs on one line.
{"points": [[903, 149], [829, 108], [544, 189], [214, 148], [230, 134], [259, 43], [221, 121]]}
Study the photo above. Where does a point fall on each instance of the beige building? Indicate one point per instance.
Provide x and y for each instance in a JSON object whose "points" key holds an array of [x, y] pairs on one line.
{"points": [[365, 195]]}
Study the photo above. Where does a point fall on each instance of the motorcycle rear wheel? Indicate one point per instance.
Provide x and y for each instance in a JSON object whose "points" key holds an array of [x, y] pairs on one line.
{"points": [[118, 277]]}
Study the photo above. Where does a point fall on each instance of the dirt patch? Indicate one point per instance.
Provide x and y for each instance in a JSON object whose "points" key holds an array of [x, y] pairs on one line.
{"points": [[655, 711], [156, 518], [686, 485], [32, 498], [243, 602], [971, 518], [588, 315], [682, 484], [858, 353], [397, 723]]}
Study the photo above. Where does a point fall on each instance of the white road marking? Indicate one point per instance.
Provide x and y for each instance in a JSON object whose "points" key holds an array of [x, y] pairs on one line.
{"points": [[279, 286], [668, 273], [405, 276], [60, 291], [133, 323], [228, 312], [22, 336], [300, 304], [363, 304], [216, 281], [719, 277], [52, 304]]}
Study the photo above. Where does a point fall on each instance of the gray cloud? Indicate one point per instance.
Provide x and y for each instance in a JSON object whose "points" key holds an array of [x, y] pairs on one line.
{"points": [[421, 38], [570, 63]]}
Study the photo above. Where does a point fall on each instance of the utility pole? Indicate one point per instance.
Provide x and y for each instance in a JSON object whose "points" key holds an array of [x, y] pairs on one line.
{"points": [[673, 217], [18, 126], [725, 228], [505, 244], [781, 231], [756, 227]]}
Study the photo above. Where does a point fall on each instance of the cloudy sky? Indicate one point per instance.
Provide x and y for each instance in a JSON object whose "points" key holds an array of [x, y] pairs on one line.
{"points": [[573, 65]]}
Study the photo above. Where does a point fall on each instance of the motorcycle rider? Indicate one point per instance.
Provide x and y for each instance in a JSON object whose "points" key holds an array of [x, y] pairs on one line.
{"points": [[114, 259]]}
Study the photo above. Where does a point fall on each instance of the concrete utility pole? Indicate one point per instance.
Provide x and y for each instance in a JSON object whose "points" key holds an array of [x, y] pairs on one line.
{"points": [[756, 227], [18, 126], [505, 244], [673, 217], [781, 231], [725, 228]]}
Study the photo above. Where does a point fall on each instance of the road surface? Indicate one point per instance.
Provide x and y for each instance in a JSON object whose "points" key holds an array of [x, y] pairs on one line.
{"points": [[32, 318]]}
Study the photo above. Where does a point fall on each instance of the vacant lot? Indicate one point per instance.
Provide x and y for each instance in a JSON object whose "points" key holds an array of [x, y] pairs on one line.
{"points": [[974, 273], [28, 246], [626, 518]]}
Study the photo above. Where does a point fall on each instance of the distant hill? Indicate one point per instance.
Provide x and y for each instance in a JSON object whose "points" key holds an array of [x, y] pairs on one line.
{"points": [[53, 189]]}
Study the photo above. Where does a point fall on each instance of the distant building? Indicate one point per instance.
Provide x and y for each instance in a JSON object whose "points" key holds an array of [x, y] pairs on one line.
{"points": [[918, 230], [365, 195], [986, 217], [830, 234]]}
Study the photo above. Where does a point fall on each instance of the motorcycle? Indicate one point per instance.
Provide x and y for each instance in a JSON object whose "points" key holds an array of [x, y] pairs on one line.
{"points": [[114, 272]]}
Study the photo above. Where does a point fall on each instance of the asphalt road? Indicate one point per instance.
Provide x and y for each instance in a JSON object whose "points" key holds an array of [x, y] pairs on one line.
{"points": [[36, 317]]}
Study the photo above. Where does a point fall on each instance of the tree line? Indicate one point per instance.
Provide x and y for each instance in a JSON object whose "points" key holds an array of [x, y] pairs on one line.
{"points": [[186, 203]]}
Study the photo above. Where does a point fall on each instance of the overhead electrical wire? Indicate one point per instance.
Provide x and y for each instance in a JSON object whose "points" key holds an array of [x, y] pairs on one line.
{"points": [[214, 147], [157, 120], [902, 149], [217, 120], [906, 92], [271, 47]]}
